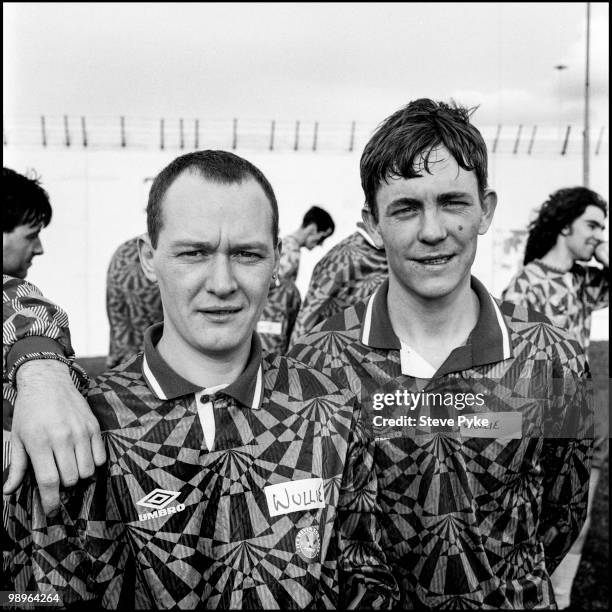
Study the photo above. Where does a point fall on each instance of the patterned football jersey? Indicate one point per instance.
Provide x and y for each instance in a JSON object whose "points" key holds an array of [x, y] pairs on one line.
{"points": [[483, 468], [133, 303], [278, 317], [566, 298], [289, 264], [32, 328], [272, 508], [347, 274]]}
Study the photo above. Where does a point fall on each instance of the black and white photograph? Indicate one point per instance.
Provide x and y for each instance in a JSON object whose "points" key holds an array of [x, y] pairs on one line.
{"points": [[305, 305]]}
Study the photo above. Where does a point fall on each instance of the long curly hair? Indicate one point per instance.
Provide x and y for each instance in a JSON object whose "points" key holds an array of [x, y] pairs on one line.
{"points": [[557, 213]]}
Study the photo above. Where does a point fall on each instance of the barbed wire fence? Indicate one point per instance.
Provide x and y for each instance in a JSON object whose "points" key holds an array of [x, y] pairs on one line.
{"points": [[121, 132]]}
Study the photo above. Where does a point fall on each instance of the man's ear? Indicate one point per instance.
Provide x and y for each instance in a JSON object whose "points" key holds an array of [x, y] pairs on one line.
{"points": [[488, 205], [145, 253], [278, 251], [311, 229], [372, 226]]}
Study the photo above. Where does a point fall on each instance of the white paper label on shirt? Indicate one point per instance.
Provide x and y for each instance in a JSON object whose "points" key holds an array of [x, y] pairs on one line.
{"points": [[269, 327], [492, 425], [295, 496]]}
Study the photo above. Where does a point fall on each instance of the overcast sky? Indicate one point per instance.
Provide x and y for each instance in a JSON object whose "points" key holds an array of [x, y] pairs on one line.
{"points": [[310, 61]]}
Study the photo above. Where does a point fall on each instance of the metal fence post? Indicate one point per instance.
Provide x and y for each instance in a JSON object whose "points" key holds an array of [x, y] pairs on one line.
{"points": [[196, 139], [235, 134], [352, 138], [518, 139], [84, 131], [566, 141], [43, 129], [123, 138], [532, 139], [499, 127], [66, 131], [272, 126], [296, 142], [315, 135], [161, 133]]}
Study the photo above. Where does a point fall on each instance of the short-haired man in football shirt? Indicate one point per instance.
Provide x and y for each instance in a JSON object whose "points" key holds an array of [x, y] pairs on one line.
{"points": [[478, 409], [317, 225], [234, 479]]}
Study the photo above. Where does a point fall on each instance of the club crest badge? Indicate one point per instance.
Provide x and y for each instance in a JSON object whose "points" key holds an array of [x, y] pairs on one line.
{"points": [[308, 543]]}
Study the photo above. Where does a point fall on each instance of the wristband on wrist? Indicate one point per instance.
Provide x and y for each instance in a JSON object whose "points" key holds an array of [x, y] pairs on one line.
{"points": [[77, 373]]}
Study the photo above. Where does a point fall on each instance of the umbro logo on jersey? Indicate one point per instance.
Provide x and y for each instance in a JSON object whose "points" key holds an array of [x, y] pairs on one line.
{"points": [[158, 500]]}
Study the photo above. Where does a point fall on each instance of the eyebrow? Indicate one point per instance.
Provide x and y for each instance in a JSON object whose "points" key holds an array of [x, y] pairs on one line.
{"points": [[404, 200], [207, 246], [597, 223], [443, 197], [454, 195]]}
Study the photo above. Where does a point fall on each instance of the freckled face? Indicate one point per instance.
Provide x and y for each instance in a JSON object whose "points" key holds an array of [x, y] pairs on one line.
{"points": [[430, 225]]}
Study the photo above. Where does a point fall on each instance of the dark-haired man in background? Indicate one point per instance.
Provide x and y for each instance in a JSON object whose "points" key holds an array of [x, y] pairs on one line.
{"points": [[317, 225], [478, 409], [39, 375], [26, 210], [348, 273], [569, 228]]}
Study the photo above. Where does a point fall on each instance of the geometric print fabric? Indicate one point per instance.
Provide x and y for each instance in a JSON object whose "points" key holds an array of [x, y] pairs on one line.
{"points": [[566, 298], [278, 316], [133, 303], [472, 521], [35, 327], [215, 545], [350, 272]]}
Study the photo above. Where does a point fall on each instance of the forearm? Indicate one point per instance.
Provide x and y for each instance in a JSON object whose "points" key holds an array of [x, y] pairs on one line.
{"points": [[53, 426], [39, 375], [28, 315]]}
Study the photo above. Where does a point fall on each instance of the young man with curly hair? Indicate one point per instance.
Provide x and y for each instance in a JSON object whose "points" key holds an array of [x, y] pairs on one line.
{"points": [[568, 229]]}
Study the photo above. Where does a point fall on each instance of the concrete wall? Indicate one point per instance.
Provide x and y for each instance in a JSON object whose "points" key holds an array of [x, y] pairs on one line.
{"points": [[99, 197]]}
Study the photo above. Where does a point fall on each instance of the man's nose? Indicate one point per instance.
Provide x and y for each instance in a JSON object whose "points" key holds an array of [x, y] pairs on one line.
{"points": [[37, 248], [432, 228], [221, 280]]}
